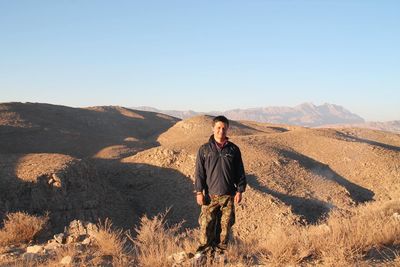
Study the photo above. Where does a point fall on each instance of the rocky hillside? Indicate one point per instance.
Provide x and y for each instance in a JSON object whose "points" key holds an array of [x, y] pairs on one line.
{"points": [[118, 163], [307, 172], [62, 160]]}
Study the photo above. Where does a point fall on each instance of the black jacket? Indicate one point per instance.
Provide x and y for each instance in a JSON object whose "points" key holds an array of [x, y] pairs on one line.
{"points": [[219, 171]]}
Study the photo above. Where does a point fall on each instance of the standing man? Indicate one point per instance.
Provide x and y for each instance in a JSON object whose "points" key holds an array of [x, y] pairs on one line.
{"points": [[219, 183]]}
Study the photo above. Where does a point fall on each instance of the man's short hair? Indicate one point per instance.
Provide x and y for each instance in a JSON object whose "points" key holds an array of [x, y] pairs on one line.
{"points": [[221, 119]]}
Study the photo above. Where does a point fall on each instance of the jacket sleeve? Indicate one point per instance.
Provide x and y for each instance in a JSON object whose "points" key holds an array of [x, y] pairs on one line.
{"points": [[200, 172], [241, 181]]}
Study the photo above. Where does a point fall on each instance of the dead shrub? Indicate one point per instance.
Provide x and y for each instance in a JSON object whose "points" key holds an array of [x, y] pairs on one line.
{"points": [[110, 242], [288, 245], [343, 239], [349, 238], [155, 241], [20, 227], [243, 252]]}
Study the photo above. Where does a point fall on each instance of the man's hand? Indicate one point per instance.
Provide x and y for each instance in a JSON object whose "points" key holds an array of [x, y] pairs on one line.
{"points": [[238, 197], [200, 199]]}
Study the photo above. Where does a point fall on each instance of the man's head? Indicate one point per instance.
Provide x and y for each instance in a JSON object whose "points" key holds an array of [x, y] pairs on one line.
{"points": [[220, 128]]}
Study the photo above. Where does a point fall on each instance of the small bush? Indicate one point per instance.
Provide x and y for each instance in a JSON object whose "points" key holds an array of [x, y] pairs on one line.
{"points": [[20, 227], [155, 241], [109, 241]]}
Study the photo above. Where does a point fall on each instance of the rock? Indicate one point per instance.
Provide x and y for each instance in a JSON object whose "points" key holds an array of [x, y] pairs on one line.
{"points": [[103, 261], [199, 259], [79, 248], [78, 229], [55, 181], [67, 260], [91, 228], [55, 177], [59, 238], [52, 245], [9, 256], [178, 258], [57, 184], [70, 239], [30, 257], [34, 249], [86, 241]]}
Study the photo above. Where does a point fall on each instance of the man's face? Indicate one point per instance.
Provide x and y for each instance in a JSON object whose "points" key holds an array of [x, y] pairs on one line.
{"points": [[220, 130]]}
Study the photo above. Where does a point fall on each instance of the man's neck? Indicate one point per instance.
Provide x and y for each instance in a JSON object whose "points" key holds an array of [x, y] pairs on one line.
{"points": [[220, 141]]}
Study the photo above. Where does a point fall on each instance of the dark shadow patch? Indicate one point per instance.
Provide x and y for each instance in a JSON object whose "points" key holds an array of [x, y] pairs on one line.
{"points": [[151, 190], [92, 190], [382, 255], [357, 193], [352, 138], [278, 129]]}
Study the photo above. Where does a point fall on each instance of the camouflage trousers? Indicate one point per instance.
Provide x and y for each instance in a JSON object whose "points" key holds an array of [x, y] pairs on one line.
{"points": [[216, 219]]}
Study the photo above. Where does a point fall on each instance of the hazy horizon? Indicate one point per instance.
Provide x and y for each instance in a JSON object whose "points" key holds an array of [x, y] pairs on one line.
{"points": [[203, 56]]}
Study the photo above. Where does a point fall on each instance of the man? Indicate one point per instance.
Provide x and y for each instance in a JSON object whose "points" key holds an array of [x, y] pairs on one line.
{"points": [[219, 183]]}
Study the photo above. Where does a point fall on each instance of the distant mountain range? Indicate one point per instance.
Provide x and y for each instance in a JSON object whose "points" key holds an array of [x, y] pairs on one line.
{"points": [[306, 114]]}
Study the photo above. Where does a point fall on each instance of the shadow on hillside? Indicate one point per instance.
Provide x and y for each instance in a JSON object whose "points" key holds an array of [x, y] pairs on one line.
{"points": [[151, 190], [370, 142], [311, 210], [357, 193], [237, 127], [279, 129], [93, 189], [45, 128]]}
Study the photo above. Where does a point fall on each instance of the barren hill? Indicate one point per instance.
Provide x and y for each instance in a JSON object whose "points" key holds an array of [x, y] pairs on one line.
{"points": [[310, 171], [61, 159], [33, 127], [120, 163], [388, 126]]}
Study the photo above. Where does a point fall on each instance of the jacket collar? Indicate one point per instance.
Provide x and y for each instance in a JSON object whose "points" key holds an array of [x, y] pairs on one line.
{"points": [[212, 140]]}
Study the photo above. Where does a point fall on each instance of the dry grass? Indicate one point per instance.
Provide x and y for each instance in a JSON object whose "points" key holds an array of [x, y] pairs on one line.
{"points": [[285, 246], [155, 241], [368, 235], [65, 251], [243, 252], [20, 227], [342, 240], [111, 242], [350, 238]]}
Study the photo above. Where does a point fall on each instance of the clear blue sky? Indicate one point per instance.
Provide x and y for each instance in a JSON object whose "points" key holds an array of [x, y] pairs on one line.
{"points": [[203, 55]]}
